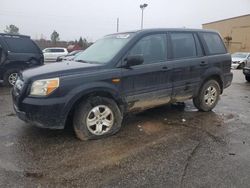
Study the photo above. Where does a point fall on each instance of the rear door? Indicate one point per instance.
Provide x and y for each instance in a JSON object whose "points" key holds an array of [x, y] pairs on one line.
{"points": [[189, 62], [148, 85], [58, 52]]}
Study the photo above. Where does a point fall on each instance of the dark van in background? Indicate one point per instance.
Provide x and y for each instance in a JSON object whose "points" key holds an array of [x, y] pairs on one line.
{"points": [[17, 52], [123, 73]]}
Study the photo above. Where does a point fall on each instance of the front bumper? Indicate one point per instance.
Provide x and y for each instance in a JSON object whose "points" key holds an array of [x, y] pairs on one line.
{"points": [[40, 112], [246, 71]]}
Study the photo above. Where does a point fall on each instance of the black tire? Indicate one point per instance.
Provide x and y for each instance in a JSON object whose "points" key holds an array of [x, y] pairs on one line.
{"points": [[84, 109], [248, 78], [7, 74], [199, 101]]}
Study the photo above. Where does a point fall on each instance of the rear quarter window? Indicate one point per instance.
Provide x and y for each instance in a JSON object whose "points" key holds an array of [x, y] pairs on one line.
{"points": [[21, 45], [214, 43]]}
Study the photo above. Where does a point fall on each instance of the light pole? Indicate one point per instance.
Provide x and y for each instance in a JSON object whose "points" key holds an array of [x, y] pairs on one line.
{"points": [[143, 6]]}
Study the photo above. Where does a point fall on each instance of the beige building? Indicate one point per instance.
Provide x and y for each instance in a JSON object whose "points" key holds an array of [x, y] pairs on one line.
{"points": [[235, 32]]}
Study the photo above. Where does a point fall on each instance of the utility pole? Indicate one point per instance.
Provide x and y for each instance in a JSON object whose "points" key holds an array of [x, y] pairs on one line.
{"points": [[142, 9], [117, 25]]}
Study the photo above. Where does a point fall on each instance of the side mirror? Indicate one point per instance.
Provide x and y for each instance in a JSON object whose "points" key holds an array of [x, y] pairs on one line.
{"points": [[134, 60]]}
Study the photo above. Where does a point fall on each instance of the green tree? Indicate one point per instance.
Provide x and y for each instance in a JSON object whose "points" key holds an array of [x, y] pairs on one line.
{"points": [[85, 43], [54, 37], [80, 42], [12, 29]]}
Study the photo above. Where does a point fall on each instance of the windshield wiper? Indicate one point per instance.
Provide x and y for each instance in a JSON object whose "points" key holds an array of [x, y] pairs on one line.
{"points": [[81, 61]]}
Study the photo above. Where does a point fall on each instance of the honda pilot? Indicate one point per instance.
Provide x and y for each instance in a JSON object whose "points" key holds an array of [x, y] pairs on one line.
{"points": [[123, 73]]}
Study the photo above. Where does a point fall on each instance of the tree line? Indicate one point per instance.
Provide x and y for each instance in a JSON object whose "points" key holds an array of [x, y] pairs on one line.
{"points": [[54, 39]]}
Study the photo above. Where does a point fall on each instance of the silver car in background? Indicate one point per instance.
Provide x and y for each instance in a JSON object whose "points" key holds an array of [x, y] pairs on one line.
{"points": [[240, 59], [51, 54]]}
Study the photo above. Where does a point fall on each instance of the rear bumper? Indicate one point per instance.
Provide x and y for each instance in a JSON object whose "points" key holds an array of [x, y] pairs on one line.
{"points": [[246, 71], [227, 80]]}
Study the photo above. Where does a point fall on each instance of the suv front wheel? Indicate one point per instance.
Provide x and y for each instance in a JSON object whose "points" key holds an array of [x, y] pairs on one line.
{"points": [[208, 96], [10, 77], [97, 117]]}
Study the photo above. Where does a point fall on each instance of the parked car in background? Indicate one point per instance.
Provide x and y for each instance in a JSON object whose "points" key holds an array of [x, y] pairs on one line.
{"points": [[17, 52], [240, 59], [246, 71], [51, 54], [69, 56], [123, 73]]}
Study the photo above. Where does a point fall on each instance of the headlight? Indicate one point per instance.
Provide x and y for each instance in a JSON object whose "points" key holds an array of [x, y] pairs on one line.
{"points": [[44, 87]]}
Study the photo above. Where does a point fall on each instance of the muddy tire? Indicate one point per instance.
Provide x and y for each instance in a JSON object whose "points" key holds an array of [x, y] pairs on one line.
{"points": [[248, 78], [208, 96], [97, 117], [10, 77]]}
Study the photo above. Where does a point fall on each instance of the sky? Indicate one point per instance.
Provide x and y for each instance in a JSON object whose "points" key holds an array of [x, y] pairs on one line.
{"points": [[93, 19]]}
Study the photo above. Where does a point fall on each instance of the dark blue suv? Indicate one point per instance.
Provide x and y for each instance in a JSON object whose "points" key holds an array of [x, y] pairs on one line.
{"points": [[17, 52], [122, 73]]}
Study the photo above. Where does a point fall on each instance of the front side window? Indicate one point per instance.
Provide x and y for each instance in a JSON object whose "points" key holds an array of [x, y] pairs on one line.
{"points": [[183, 45], [214, 43], [47, 50], [105, 49], [153, 48]]}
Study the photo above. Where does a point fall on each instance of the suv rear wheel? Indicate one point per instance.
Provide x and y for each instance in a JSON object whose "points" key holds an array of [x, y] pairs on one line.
{"points": [[10, 77], [208, 96], [96, 118], [248, 78]]}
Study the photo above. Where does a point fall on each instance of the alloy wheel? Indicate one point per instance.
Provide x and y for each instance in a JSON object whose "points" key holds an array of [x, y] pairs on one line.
{"points": [[100, 120]]}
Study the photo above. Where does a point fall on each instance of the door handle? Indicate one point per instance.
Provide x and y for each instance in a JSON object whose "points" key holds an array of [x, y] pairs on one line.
{"points": [[203, 63], [164, 68]]}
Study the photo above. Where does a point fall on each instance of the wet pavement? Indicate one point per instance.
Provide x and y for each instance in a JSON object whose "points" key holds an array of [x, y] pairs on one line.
{"points": [[170, 146]]}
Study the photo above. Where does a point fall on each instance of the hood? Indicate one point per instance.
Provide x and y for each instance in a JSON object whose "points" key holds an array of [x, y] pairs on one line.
{"points": [[237, 59], [58, 69]]}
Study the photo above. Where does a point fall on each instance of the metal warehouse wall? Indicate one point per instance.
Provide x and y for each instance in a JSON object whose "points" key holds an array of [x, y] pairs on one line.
{"points": [[235, 32]]}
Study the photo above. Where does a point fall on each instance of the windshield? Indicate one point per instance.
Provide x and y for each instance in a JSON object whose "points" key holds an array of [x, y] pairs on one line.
{"points": [[103, 50], [239, 55]]}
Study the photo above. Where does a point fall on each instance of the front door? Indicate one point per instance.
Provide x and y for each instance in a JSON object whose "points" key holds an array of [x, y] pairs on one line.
{"points": [[149, 84]]}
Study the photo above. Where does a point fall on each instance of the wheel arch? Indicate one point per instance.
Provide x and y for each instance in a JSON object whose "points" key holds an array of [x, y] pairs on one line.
{"points": [[101, 92], [215, 75]]}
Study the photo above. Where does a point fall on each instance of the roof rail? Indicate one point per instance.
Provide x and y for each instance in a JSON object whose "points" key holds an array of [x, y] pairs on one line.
{"points": [[14, 35]]}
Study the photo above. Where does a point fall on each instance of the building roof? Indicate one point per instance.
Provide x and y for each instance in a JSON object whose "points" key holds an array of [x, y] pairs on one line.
{"points": [[227, 19]]}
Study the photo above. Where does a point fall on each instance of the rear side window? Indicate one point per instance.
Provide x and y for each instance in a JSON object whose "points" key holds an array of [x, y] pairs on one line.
{"points": [[21, 45], [152, 47], [214, 43], [183, 45]]}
